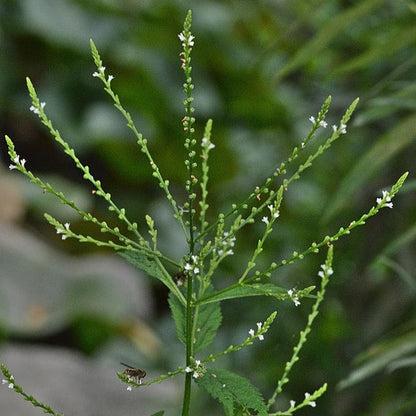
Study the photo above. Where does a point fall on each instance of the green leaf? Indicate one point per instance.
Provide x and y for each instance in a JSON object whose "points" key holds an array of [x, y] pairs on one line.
{"points": [[378, 51], [153, 267], [178, 313], [381, 356], [241, 290], [232, 391], [328, 32], [160, 413], [208, 321], [371, 162]]}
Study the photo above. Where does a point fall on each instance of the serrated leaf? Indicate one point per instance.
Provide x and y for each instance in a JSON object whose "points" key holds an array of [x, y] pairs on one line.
{"points": [[257, 289], [208, 321], [153, 267], [232, 390], [178, 313]]}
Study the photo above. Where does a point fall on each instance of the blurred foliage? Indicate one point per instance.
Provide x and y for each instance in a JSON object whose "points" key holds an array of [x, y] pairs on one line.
{"points": [[260, 70]]}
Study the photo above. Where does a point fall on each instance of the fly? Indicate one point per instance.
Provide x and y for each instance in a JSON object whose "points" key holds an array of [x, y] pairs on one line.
{"points": [[134, 373]]}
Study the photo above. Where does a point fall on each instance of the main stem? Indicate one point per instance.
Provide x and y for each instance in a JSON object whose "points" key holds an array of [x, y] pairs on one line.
{"points": [[189, 314], [188, 377]]}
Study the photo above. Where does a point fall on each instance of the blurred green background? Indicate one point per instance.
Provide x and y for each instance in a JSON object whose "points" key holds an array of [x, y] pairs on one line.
{"points": [[260, 69]]}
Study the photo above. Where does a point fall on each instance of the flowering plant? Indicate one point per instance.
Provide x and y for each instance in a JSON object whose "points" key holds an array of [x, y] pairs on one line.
{"points": [[194, 296]]}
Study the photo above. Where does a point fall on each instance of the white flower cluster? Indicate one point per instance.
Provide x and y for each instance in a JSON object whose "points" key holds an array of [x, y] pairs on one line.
{"points": [[196, 371], [274, 213], [206, 143], [186, 42], [101, 72], [194, 266], [35, 110], [61, 231], [385, 200], [9, 385], [293, 296], [227, 243], [259, 328], [18, 161], [324, 124], [325, 270], [311, 403]]}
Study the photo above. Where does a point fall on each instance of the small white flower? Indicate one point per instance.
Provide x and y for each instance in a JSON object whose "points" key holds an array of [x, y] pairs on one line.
{"points": [[181, 37], [191, 40], [270, 208], [334, 127], [265, 220], [11, 386], [4, 381], [276, 214], [196, 270], [292, 403], [66, 225], [323, 124], [188, 370], [290, 292], [251, 332], [311, 403], [261, 337], [129, 388], [343, 128], [312, 119], [220, 252], [188, 266], [230, 252], [11, 167], [194, 258], [34, 109], [259, 325], [110, 78], [197, 363], [302, 145], [195, 375], [296, 301], [22, 162]]}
